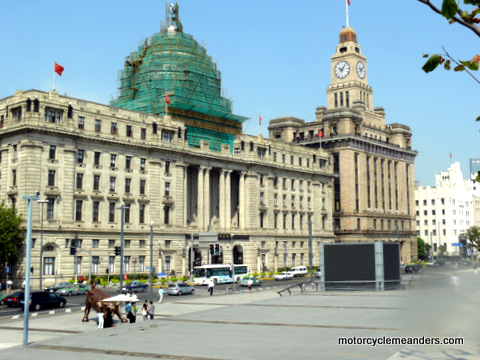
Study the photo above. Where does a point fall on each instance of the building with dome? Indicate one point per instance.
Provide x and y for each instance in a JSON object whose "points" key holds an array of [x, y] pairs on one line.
{"points": [[164, 170]]}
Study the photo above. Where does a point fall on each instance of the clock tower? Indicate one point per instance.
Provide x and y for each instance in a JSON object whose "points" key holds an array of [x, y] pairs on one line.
{"points": [[349, 74]]}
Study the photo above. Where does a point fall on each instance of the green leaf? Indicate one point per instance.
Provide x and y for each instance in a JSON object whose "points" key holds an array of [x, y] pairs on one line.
{"points": [[447, 65], [449, 8], [478, 119], [459, 68], [473, 66], [432, 63]]}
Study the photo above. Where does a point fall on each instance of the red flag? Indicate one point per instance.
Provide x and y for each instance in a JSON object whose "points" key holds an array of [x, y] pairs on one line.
{"points": [[320, 133], [167, 100], [348, 2], [59, 69], [259, 120]]}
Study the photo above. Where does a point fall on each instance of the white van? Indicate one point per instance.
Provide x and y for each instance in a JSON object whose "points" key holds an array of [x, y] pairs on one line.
{"points": [[298, 271]]}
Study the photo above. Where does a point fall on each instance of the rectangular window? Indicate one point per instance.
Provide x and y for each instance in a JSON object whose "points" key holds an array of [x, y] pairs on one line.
{"points": [[143, 133], [53, 116], [52, 153], [166, 215], [126, 212], [80, 156], [50, 208], [127, 185], [111, 244], [51, 177], [96, 159], [142, 214], [14, 177], [111, 212], [79, 181], [167, 167], [111, 264], [167, 189], [95, 243], [113, 128], [98, 125], [49, 266], [167, 136], [113, 160], [142, 187], [112, 183], [81, 122], [78, 210], [143, 162], [128, 162], [95, 211], [129, 131], [141, 263], [96, 182]]}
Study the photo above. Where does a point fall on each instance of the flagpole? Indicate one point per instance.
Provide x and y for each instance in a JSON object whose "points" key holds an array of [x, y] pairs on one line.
{"points": [[53, 85], [346, 11]]}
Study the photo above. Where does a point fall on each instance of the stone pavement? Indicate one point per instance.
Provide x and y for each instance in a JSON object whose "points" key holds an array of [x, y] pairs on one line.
{"points": [[263, 325]]}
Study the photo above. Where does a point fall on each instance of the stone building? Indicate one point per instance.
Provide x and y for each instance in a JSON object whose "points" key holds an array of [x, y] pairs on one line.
{"points": [[373, 161], [177, 165]]}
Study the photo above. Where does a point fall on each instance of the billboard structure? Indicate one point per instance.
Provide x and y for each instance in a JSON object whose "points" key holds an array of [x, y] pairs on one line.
{"points": [[360, 266]]}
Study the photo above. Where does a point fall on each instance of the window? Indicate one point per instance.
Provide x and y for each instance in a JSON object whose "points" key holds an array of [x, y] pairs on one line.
{"points": [[111, 264], [14, 177], [111, 244], [127, 185], [50, 208], [98, 125], [126, 263], [141, 215], [95, 243], [113, 128], [78, 265], [167, 167], [80, 156], [128, 162], [167, 136], [52, 152], [49, 266], [15, 152], [141, 244], [143, 161], [79, 181], [95, 210], [142, 187], [113, 160], [96, 182], [154, 127], [111, 212], [141, 263], [53, 116], [166, 215], [129, 131], [96, 158], [81, 122], [78, 210], [143, 133], [126, 213], [112, 183], [95, 262], [51, 177], [167, 189]]}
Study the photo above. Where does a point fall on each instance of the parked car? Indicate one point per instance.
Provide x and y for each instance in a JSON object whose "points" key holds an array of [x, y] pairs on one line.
{"points": [[318, 273], [43, 300], [134, 286], [298, 270], [255, 281], [432, 264], [74, 289], [284, 275], [180, 289], [59, 286], [12, 299]]}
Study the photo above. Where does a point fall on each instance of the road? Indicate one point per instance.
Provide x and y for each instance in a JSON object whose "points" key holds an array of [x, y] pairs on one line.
{"points": [[76, 303]]}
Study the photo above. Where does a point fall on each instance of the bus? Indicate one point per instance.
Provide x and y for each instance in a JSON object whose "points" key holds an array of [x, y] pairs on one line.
{"points": [[219, 273]]}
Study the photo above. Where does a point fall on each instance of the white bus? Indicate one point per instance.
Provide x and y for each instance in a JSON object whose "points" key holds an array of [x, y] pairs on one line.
{"points": [[219, 273]]}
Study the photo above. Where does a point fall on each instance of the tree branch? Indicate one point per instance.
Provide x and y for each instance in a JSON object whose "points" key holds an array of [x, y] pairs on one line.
{"points": [[457, 19], [464, 67]]}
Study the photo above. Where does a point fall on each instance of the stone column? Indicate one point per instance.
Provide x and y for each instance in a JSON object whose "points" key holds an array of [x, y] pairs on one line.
{"points": [[206, 191], [221, 204], [241, 205], [200, 197], [228, 202]]}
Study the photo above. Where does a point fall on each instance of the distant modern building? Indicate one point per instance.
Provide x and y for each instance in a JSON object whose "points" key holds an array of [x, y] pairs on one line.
{"points": [[474, 167], [373, 161], [181, 170], [446, 210]]}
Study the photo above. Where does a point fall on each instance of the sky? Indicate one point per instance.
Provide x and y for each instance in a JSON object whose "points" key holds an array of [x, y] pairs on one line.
{"points": [[274, 57]]}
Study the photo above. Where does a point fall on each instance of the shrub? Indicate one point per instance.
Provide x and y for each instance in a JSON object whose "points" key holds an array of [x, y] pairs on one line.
{"points": [[184, 278]]}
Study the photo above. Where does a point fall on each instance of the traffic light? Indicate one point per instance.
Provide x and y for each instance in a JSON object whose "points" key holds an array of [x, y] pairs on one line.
{"points": [[212, 249], [73, 251], [217, 249], [117, 250]]}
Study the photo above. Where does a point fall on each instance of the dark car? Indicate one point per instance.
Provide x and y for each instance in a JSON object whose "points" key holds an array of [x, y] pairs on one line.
{"points": [[12, 299], [43, 300], [255, 281], [134, 286], [58, 286]]}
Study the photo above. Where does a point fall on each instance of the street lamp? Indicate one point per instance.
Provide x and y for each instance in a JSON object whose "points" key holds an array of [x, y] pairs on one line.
{"points": [[41, 240], [285, 255], [150, 276], [122, 208]]}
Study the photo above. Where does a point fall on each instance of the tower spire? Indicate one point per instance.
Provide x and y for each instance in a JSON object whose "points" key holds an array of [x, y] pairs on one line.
{"points": [[347, 4]]}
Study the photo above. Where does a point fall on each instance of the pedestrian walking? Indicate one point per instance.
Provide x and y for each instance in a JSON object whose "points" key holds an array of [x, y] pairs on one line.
{"points": [[145, 310], [100, 317], [160, 295], [151, 310], [211, 285], [131, 316], [108, 318], [249, 284]]}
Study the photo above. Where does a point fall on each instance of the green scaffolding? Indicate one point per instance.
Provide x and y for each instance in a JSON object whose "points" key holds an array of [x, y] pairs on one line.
{"points": [[172, 62]]}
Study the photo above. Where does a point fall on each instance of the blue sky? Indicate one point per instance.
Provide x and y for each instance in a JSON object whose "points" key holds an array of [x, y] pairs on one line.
{"points": [[274, 56]]}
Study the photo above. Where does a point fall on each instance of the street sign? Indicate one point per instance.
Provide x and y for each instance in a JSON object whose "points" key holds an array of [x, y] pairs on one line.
{"points": [[148, 267], [162, 274], [457, 244]]}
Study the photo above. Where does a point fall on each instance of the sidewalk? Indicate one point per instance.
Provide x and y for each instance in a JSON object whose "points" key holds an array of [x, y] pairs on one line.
{"points": [[257, 325]]}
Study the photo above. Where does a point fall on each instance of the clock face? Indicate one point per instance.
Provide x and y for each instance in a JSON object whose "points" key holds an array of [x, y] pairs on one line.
{"points": [[361, 70], [342, 69]]}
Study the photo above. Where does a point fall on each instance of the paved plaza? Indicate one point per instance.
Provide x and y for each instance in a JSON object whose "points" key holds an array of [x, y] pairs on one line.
{"points": [[263, 325]]}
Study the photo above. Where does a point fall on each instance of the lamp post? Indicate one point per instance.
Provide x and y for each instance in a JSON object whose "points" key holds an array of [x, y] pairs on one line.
{"points": [[28, 251], [41, 240], [150, 275], [285, 255], [310, 250], [122, 208]]}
